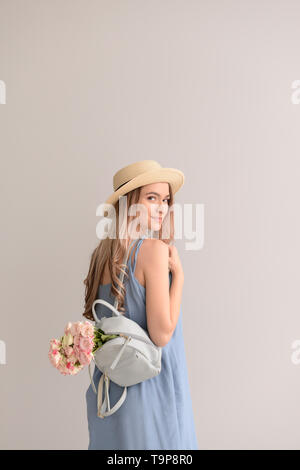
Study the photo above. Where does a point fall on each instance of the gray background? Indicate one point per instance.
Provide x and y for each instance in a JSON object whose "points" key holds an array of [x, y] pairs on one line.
{"points": [[203, 86]]}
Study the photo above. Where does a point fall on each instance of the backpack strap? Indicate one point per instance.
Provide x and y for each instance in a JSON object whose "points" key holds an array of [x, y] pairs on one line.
{"points": [[103, 406]]}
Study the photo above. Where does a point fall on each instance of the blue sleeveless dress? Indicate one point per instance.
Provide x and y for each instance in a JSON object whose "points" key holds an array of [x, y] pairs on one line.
{"points": [[157, 414]]}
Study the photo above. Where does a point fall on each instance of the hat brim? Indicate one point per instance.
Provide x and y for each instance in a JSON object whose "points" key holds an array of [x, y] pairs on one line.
{"points": [[162, 175]]}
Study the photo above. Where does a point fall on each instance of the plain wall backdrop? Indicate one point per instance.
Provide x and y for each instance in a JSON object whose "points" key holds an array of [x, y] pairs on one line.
{"points": [[203, 86]]}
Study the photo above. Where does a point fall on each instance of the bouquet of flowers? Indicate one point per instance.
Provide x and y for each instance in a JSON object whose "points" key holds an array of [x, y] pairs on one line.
{"points": [[76, 347]]}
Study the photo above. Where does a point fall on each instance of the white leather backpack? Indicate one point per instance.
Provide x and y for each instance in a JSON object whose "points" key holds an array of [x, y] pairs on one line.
{"points": [[126, 360]]}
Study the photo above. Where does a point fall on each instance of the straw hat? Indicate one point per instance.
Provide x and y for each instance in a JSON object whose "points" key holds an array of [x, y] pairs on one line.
{"points": [[141, 173]]}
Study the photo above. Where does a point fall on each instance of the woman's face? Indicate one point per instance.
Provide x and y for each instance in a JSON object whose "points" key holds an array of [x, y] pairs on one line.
{"points": [[155, 198]]}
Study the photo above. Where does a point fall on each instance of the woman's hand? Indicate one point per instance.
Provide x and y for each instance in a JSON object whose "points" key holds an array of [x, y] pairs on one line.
{"points": [[174, 262]]}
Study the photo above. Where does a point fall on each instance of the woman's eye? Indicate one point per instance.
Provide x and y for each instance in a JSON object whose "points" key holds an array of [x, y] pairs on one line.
{"points": [[167, 200]]}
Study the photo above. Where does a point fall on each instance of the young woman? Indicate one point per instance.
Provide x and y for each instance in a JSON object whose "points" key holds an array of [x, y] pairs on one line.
{"points": [[157, 413]]}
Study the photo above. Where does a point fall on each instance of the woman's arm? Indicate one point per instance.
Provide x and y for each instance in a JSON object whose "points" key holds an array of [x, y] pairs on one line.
{"points": [[176, 287], [162, 302]]}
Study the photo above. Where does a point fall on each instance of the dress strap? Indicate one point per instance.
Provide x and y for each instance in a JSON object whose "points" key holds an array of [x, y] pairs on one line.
{"points": [[136, 247]]}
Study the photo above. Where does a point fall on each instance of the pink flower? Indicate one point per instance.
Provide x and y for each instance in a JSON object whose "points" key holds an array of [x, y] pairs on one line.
{"points": [[54, 357], [72, 358], [54, 344], [69, 365], [87, 329], [75, 370], [68, 351], [77, 351], [62, 368], [75, 328], [68, 328], [77, 340], [86, 344], [85, 358]]}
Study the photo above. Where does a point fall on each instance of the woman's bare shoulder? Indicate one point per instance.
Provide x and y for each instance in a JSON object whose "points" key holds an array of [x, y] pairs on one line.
{"points": [[153, 247], [150, 250], [154, 244]]}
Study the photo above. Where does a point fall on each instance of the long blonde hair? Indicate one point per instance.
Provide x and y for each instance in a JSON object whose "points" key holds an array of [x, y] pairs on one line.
{"points": [[112, 251]]}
